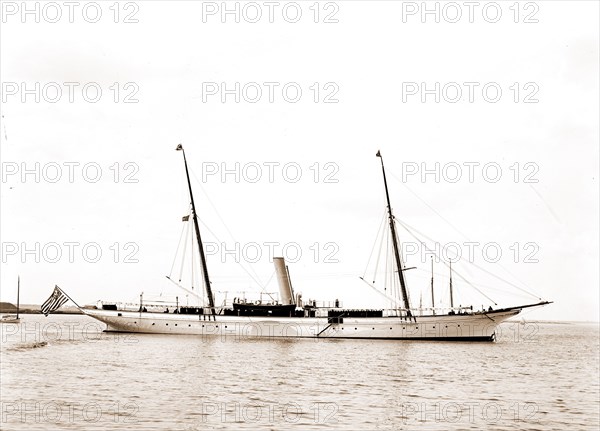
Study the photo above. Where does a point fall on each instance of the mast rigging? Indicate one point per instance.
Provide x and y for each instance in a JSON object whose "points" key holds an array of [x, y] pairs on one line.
{"points": [[211, 301], [395, 243]]}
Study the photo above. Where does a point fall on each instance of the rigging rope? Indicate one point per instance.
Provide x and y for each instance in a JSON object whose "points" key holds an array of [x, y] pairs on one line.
{"points": [[476, 266], [430, 207], [187, 232], [406, 227], [262, 288], [254, 276], [389, 275], [441, 260], [379, 253], [373, 249], [401, 269], [535, 295], [192, 260], [177, 251]]}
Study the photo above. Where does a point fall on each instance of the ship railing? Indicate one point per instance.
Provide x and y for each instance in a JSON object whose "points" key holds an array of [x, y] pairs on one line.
{"points": [[445, 310], [263, 298], [324, 304], [155, 306]]}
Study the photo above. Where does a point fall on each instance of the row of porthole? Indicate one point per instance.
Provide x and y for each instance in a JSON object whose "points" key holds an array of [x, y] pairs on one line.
{"points": [[416, 327], [166, 324]]}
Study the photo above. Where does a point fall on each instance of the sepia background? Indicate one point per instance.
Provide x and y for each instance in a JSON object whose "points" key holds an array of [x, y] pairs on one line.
{"points": [[158, 78]]}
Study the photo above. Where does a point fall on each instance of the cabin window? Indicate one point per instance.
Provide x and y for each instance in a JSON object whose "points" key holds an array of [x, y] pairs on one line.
{"points": [[176, 325], [167, 324], [153, 324], [189, 325]]}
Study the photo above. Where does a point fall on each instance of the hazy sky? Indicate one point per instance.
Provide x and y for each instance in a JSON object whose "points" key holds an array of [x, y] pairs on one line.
{"points": [[516, 115]]}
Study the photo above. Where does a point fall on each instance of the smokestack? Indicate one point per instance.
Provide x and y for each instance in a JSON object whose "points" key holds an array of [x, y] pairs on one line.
{"points": [[286, 294]]}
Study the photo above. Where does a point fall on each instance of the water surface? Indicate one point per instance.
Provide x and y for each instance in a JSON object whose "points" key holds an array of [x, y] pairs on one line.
{"points": [[62, 372]]}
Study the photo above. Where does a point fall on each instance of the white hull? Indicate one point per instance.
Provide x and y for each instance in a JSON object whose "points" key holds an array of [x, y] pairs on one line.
{"points": [[476, 327], [247, 323]]}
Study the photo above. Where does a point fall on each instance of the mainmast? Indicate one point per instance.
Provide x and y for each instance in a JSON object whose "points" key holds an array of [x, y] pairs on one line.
{"points": [[211, 301], [395, 243]]}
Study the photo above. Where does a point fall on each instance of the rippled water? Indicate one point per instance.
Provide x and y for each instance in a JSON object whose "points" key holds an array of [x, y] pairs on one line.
{"points": [[62, 372]]}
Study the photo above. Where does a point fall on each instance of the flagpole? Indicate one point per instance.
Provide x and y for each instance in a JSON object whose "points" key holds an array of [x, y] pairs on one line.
{"points": [[65, 293]]}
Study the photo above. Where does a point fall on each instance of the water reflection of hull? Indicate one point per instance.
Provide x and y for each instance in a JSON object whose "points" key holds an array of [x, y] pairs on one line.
{"points": [[467, 327]]}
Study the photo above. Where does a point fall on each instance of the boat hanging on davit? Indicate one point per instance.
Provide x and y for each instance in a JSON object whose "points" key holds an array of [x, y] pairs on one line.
{"points": [[289, 316]]}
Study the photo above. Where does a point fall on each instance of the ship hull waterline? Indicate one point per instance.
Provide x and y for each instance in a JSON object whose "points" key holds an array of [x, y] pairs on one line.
{"points": [[457, 327]]}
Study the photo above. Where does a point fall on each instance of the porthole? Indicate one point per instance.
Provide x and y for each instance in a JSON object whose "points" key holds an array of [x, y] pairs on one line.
{"points": [[167, 324], [153, 324], [190, 325]]}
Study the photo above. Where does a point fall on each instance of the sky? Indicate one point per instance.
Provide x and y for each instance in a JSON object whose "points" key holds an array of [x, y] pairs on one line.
{"points": [[487, 122]]}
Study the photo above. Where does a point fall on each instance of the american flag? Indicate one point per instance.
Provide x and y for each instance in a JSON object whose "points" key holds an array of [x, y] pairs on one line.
{"points": [[56, 300]]}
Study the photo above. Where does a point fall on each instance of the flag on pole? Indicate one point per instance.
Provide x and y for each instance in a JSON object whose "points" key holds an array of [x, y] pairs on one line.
{"points": [[185, 218], [56, 300]]}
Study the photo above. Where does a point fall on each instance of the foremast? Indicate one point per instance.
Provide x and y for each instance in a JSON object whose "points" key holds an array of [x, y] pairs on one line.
{"points": [[211, 301], [399, 265]]}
